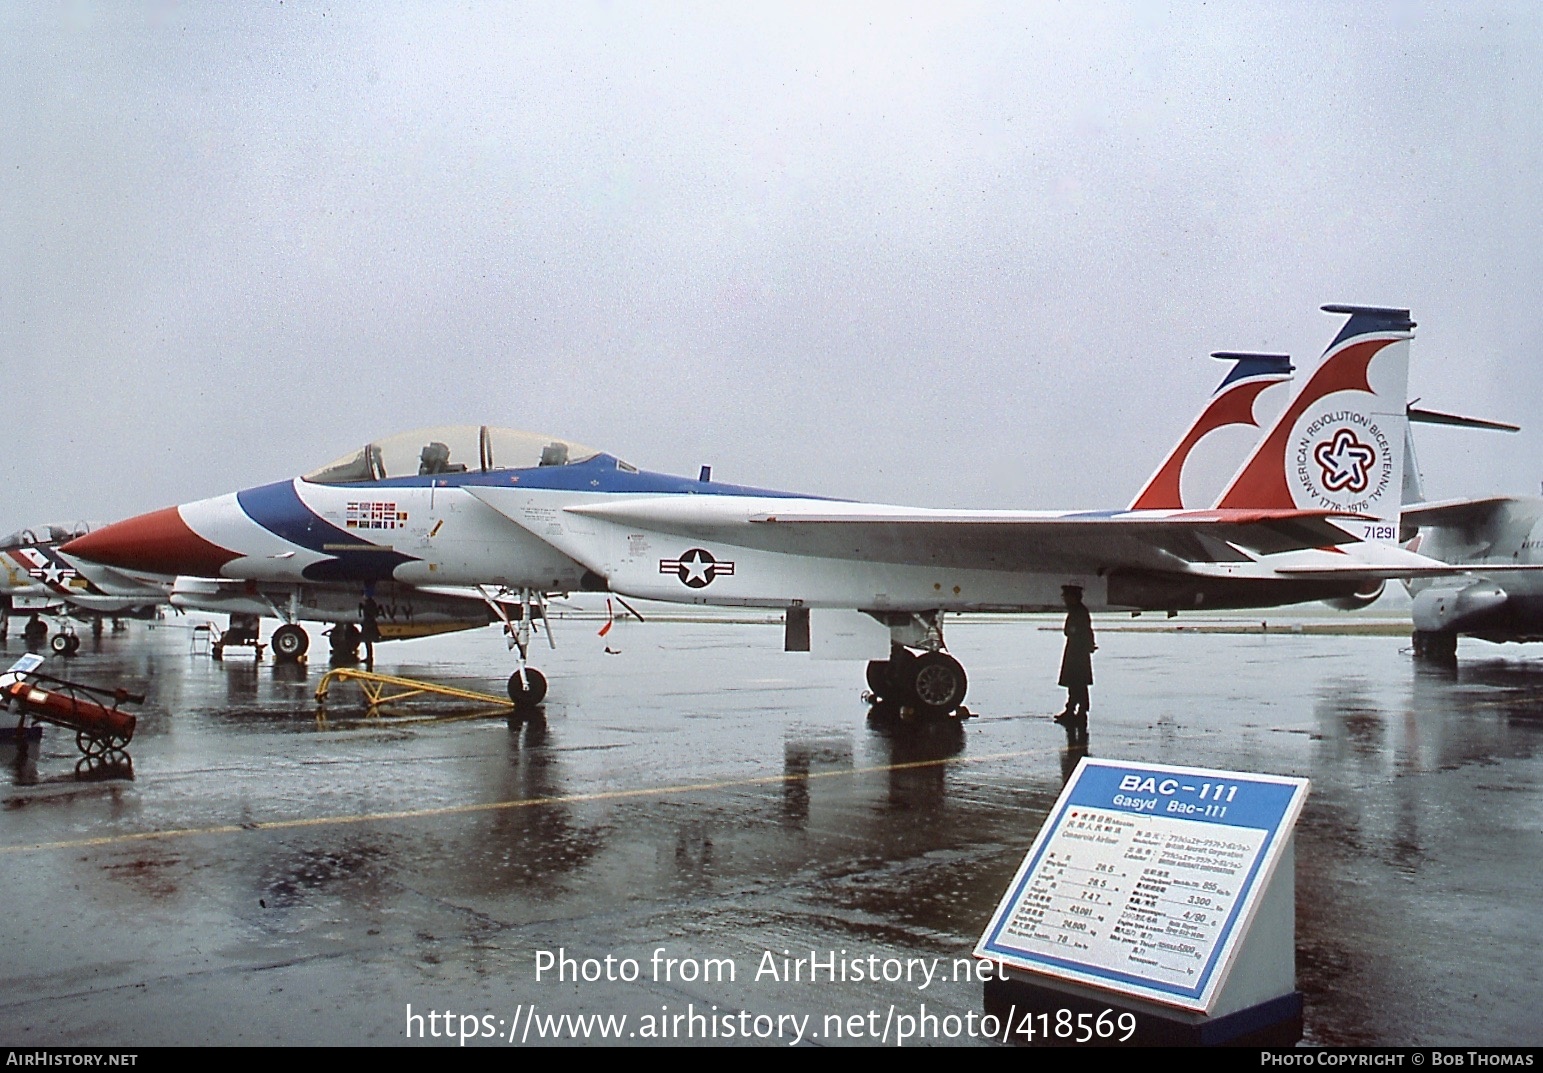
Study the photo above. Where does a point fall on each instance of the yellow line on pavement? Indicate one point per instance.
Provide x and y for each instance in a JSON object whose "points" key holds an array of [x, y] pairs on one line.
{"points": [[500, 806]]}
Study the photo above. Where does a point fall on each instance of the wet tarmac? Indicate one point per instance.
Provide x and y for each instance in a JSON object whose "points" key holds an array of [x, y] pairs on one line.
{"points": [[696, 794]]}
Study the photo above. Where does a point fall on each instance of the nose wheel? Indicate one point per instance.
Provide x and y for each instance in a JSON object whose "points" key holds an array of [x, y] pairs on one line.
{"points": [[529, 691]]}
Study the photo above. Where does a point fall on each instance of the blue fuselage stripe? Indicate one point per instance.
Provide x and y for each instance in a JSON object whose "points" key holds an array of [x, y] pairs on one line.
{"points": [[278, 509]]}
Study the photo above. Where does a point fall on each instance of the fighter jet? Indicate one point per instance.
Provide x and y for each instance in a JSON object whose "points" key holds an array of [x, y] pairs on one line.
{"points": [[312, 548], [1312, 515], [37, 579]]}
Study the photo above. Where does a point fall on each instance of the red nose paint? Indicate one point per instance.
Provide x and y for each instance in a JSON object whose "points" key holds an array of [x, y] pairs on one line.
{"points": [[156, 543]]}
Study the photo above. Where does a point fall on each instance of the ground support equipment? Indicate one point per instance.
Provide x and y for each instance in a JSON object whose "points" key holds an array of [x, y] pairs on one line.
{"points": [[101, 732], [380, 690]]}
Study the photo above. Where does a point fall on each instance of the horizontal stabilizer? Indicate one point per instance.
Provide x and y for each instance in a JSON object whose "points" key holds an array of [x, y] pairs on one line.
{"points": [[1436, 417], [1455, 512]]}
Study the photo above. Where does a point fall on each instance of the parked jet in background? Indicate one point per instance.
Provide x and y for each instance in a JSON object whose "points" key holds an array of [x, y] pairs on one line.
{"points": [[1489, 601], [37, 579]]}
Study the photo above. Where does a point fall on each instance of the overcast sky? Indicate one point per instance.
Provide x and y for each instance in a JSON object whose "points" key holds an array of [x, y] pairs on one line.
{"points": [[948, 255]]}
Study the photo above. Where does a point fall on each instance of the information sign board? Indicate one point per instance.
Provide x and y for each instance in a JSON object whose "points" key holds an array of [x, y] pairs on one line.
{"points": [[1145, 878]]}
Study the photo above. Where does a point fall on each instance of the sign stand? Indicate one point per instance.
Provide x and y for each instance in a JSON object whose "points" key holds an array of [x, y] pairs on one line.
{"points": [[1156, 907]]}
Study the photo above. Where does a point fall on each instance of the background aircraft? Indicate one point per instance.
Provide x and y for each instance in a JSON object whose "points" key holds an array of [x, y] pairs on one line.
{"points": [[1488, 603], [1492, 536], [37, 579]]}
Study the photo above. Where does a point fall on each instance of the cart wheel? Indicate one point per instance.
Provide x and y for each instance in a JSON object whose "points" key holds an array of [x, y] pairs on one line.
{"points": [[89, 744]]}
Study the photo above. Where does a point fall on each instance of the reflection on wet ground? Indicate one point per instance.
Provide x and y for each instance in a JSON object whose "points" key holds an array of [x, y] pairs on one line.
{"points": [[265, 877]]}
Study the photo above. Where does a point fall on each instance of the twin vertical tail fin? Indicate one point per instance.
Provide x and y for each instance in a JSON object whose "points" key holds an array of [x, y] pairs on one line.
{"points": [[1232, 403], [1339, 445]]}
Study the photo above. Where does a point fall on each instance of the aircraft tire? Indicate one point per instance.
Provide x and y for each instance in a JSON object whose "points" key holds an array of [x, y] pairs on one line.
{"points": [[345, 643], [289, 643], [60, 644], [878, 678], [531, 692], [74, 644], [936, 683], [1435, 646]]}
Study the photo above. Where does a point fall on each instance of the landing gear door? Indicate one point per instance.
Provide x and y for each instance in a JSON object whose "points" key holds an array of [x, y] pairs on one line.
{"points": [[838, 634]]}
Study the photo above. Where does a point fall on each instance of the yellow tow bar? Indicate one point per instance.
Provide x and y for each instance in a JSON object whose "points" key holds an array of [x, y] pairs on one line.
{"points": [[382, 689]]}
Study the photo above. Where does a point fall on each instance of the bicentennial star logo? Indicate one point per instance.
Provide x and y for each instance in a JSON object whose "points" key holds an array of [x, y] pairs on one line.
{"points": [[1345, 462], [696, 568]]}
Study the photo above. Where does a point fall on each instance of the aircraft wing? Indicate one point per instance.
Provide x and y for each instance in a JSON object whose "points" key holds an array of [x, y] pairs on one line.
{"points": [[980, 539], [1329, 573]]}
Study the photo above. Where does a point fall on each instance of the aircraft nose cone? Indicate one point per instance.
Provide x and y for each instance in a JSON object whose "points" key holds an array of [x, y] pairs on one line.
{"points": [[156, 543]]}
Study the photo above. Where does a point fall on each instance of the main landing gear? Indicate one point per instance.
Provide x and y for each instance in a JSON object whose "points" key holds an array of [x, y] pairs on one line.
{"points": [[289, 643], [928, 683], [1435, 646], [345, 640], [933, 684]]}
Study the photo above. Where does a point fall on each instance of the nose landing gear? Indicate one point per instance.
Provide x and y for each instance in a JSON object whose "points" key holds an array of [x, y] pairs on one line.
{"points": [[529, 690], [527, 686]]}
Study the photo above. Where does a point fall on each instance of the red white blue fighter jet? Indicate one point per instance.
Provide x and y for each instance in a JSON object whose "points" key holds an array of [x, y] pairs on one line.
{"points": [[1312, 515]]}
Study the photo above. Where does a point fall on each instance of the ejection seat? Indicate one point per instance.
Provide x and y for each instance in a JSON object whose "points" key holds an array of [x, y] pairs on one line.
{"points": [[436, 459]]}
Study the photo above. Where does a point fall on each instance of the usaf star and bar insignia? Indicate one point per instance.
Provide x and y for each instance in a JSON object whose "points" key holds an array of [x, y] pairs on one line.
{"points": [[696, 568]]}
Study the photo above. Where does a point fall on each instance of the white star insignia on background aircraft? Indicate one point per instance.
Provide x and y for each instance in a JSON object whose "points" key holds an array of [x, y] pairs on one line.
{"points": [[480, 506]]}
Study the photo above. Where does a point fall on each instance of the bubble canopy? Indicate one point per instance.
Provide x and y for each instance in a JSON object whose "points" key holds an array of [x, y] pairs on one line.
{"points": [[45, 534], [450, 449]]}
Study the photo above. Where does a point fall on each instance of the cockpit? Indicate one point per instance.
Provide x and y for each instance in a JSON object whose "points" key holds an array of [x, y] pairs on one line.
{"points": [[44, 534], [452, 449]]}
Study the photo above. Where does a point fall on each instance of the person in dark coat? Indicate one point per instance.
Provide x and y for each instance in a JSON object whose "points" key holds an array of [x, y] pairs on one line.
{"points": [[1077, 659], [369, 629]]}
